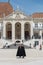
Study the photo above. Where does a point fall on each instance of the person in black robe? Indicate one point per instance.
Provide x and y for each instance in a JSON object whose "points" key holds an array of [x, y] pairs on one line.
{"points": [[40, 47], [21, 51]]}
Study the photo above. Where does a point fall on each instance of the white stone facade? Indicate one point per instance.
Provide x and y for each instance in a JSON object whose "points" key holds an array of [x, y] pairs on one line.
{"points": [[19, 17]]}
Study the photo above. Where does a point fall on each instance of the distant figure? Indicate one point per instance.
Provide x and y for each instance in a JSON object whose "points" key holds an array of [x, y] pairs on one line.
{"points": [[21, 51], [34, 45], [40, 47], [30, 46], [6, 46], [15, 44]]}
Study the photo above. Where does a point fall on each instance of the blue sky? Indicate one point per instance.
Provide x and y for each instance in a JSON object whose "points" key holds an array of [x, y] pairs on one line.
{"points": [[27, 6]]}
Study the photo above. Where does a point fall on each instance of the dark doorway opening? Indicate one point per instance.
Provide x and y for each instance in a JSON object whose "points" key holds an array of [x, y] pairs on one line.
{"points": [[9, 35], [27, 35]]}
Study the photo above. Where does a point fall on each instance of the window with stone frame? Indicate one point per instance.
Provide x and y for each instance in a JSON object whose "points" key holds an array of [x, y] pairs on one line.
{"points": [[36, 25], [9, 27], [18, 31]]}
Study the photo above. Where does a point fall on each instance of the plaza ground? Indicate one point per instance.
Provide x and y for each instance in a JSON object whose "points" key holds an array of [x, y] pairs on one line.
{"points": [[33, 56]]}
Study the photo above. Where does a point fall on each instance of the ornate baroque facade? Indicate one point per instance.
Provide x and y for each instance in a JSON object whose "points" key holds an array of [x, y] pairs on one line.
{"points": [[16, 26]]}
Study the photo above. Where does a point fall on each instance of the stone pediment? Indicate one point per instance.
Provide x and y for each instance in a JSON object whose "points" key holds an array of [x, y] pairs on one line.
{"points": [[17, 15]]}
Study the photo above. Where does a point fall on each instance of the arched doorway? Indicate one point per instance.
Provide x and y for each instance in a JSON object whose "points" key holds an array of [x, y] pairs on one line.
{"points": [[9, 31], [17, 30], [27, 31], [36, 34]]}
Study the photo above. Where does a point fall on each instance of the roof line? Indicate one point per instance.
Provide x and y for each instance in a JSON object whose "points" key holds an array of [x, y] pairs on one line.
{"points": [[10, 5]]}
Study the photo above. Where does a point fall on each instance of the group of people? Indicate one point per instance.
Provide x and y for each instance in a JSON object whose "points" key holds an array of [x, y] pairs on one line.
{"points": [[21, 51]]}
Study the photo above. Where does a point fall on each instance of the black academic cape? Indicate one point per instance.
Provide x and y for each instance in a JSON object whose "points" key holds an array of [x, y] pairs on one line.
{"points": [[21, 51]]}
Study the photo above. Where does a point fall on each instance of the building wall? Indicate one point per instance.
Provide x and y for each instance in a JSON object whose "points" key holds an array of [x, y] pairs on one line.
{"points": [[13, 20]]}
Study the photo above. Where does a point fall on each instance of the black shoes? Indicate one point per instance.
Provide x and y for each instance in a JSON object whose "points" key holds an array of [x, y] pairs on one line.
{"points": [[20, 56]]}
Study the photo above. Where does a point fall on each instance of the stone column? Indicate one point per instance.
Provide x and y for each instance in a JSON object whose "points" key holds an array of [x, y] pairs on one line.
{"points": [[4, 30], [13, 32], [40, 34], [1, 29], [40, 41], [31, 31], [22, 31]]}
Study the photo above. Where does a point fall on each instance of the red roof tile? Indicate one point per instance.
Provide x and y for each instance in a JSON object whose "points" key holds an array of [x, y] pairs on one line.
{"points": [[37, 15], [5, 8]]}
